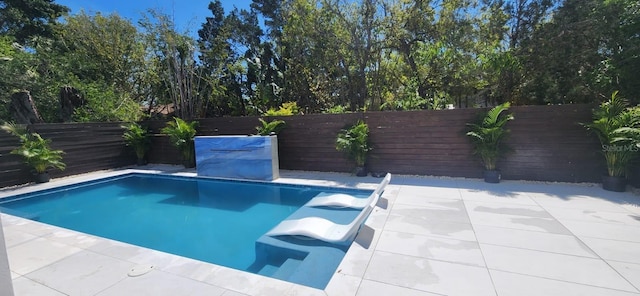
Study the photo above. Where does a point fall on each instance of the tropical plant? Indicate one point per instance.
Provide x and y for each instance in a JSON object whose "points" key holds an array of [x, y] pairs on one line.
{"points": [[337, 109], [35, 150], [181, 135], [488, 133], [137, 137], [266, 128], [287, 109], [354, 141], [617, 127]]}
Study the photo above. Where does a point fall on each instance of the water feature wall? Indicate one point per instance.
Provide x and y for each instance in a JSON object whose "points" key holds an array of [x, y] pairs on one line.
{"points": [[238, 157]]}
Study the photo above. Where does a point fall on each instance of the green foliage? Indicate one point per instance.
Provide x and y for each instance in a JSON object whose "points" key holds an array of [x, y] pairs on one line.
{"points": [[105, 50], [354, 141], [408, 99], [586, 50], [103, 57], [181, 135], [266, 128], [17, 69], [488, 133], [26, 20], [287, 109], [363, 55], [338, 109], [177, 77], [102, 103], [35, 150], [138, 138], [244, 81], [617, 127]]}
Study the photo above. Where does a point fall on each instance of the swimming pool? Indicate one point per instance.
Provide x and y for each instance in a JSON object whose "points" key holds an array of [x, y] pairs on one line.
{"points": [[217, 221]]}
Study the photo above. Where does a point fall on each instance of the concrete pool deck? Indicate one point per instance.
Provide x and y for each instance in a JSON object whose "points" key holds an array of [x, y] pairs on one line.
{"points": [[427, 236]]}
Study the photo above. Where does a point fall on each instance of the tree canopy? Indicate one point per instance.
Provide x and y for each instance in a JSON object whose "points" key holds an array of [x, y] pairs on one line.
{"points": [[26, 19], [322, 56]]}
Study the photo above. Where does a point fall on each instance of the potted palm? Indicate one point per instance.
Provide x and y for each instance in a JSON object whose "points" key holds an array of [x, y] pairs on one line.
{"points": [[354, 141], [137, 137], [616, 126], [181, 135], [487, 136], [36, 152]]}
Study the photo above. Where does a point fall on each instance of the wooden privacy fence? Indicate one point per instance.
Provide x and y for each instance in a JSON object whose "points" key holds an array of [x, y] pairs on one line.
{"points": [[547, 144], [88, 147]]}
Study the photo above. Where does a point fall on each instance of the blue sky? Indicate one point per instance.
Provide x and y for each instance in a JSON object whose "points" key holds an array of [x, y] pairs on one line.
{"points": [[188, 14]]}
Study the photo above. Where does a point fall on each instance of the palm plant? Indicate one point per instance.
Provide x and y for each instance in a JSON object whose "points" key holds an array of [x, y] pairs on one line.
{"points": [[267, 128], [181, 136], [488, 133], [35, 150], [354, 141], [137, 137], [617, 127]]}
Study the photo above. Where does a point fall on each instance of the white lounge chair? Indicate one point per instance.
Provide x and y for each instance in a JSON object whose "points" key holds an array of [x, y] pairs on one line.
{"points": [[342, 200], [322, 229], [325, 230]]}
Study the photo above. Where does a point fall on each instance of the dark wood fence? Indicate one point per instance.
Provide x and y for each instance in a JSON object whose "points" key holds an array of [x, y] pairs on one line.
{"points": [[88, 147], [164, 152], [12, 171], [547, 142]]}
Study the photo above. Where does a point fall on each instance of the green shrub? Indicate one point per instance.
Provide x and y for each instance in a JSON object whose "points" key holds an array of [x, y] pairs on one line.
{"points": [[354, 141], [35, 150], [137, 137], [488, 133], [287, 109], [618, 128], [181, 136], [337, 109]]}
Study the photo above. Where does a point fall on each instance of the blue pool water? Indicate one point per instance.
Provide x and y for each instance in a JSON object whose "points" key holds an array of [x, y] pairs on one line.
{"points": [[216, 221]]}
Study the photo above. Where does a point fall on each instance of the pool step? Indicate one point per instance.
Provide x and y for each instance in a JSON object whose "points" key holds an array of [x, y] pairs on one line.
{"points": [[276, 261], [287, 269], [268, 270], [302, 261], [280, 270]]}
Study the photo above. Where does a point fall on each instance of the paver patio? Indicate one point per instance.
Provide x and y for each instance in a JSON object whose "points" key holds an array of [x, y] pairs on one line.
{"points": [[428, 236]]}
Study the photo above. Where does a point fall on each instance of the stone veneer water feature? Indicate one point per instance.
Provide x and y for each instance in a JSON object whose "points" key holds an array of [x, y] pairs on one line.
{"points": [[238, 157]]}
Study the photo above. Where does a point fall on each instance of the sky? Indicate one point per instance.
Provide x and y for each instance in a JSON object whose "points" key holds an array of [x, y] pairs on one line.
{"points": [[188, 14]]}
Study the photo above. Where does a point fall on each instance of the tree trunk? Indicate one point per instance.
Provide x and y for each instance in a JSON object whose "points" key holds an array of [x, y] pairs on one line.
{"points": [[405, 49], [22, 108], [70, 99]]}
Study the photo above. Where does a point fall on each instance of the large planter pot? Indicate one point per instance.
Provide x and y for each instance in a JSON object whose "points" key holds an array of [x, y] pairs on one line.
{"points": [[617, 184], [41, 177], [491, 176], [361, 171], [189, 164], [141, 161]]}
